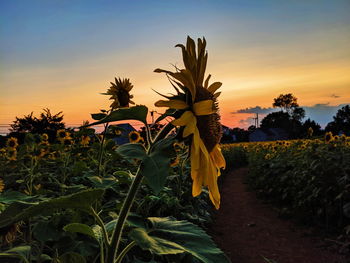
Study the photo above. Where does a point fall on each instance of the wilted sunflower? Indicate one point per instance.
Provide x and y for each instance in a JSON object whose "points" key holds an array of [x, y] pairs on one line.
{"points": [[196, 102], [12, 142], [134, 137], [120, 93]]}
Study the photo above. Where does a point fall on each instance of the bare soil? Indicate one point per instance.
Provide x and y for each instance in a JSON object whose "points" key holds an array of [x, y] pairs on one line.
{"points": [[248, 230]]}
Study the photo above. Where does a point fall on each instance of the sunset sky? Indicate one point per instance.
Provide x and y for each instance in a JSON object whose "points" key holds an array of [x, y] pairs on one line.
{"points": [[61, 54]]}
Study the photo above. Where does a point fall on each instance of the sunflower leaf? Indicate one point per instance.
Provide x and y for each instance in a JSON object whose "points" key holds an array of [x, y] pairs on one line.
{"points": [[155, 167], [21, 210], [169, 236], [132, 151], [138, 113]]}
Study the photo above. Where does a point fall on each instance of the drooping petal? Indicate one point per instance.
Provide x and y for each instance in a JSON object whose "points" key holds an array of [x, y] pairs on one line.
{"points": [[185, 118], [217, 157], [190, 128], [204, 107], [173, 104]]}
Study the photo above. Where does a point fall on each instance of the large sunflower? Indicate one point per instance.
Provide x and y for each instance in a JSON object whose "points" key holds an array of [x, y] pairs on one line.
{"points": [[120, 93], [198, 116]]}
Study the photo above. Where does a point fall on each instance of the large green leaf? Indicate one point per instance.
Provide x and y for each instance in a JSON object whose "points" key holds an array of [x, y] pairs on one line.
{"points": [[18, 211], [11, 196], [21, 252], [95, 231], [168, 236], [138, 113], [156, 165], [132, 151]]}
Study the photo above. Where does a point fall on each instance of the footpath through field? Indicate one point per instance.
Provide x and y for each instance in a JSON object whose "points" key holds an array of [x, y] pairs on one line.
{"points": [[248, 230]]}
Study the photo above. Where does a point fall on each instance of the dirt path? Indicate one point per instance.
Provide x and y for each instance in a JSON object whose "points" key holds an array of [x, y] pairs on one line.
{"points": [[248, 230]]}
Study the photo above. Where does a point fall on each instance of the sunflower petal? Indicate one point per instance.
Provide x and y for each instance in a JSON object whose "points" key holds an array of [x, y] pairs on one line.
{"points": [[173, 104], [185, 118], [204, 107], [217, 157], [214, 87]]}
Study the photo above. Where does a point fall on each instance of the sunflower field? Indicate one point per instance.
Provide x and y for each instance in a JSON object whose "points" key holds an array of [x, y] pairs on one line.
{"points": [[308, 180], [79, 196]]}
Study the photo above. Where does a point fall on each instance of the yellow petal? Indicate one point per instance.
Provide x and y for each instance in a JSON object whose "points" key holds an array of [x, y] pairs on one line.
{"points": [[185, 77], [185, 118], [216, 95], [190, 128], [214, 87], [204, 107], [217, 157], [173, 104]]}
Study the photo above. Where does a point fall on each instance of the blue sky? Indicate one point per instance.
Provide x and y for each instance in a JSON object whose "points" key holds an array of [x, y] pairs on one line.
{"points": [[60, 54]]}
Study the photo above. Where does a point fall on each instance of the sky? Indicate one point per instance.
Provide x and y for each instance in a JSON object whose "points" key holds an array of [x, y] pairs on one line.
{"points": [[61, 54]]}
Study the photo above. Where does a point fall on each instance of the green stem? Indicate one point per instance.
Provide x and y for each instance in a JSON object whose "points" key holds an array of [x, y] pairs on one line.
{"points": [[117, 232], [114, 244], [101, 224], [124, 251], [101, 149]]}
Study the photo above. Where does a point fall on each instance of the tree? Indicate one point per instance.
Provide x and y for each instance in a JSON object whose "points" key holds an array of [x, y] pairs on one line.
{"points": [[47, 123], [286, 102], [316, 128], [341, 121], [288, 118]]}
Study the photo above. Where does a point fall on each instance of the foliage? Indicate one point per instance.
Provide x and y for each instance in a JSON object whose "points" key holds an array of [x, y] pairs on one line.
{"points": [[306, 179]]}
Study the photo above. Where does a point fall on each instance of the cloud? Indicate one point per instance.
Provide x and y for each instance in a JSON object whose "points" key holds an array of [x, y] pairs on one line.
{"points": [[256, 109], [322, 113], [334, 96]]}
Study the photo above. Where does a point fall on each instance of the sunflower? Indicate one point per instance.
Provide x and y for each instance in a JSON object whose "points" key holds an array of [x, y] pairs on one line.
{"points": [[2, 185], [85, 139], [328, 137], [118, 132], [120, 93], [134, 137], [12, 142], [12, 154], [198, 116], [61, 134]]}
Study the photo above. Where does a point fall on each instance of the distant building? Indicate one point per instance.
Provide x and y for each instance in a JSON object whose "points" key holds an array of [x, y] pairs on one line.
{"points": [[125, 128], [271, 134]]}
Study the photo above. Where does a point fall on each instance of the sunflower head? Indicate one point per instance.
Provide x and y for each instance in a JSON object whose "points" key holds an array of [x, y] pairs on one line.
{"points": [[194, 92], [118, 132], [61, 134], [12, 142], [12, 154], [328, 137], [134, 137], [197, 113], [120, 93], [85, 139]]}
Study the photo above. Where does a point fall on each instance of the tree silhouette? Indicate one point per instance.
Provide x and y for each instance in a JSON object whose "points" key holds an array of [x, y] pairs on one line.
{"points": [[341, 121], [47, 123], [286, 102]]}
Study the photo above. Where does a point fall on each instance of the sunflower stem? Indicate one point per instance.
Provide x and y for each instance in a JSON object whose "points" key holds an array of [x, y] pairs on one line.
{"points": [[123, 214], [100, 153]]}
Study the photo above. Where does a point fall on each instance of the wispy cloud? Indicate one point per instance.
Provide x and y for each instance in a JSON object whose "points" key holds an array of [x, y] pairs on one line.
{"points": [[256, 109]]}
